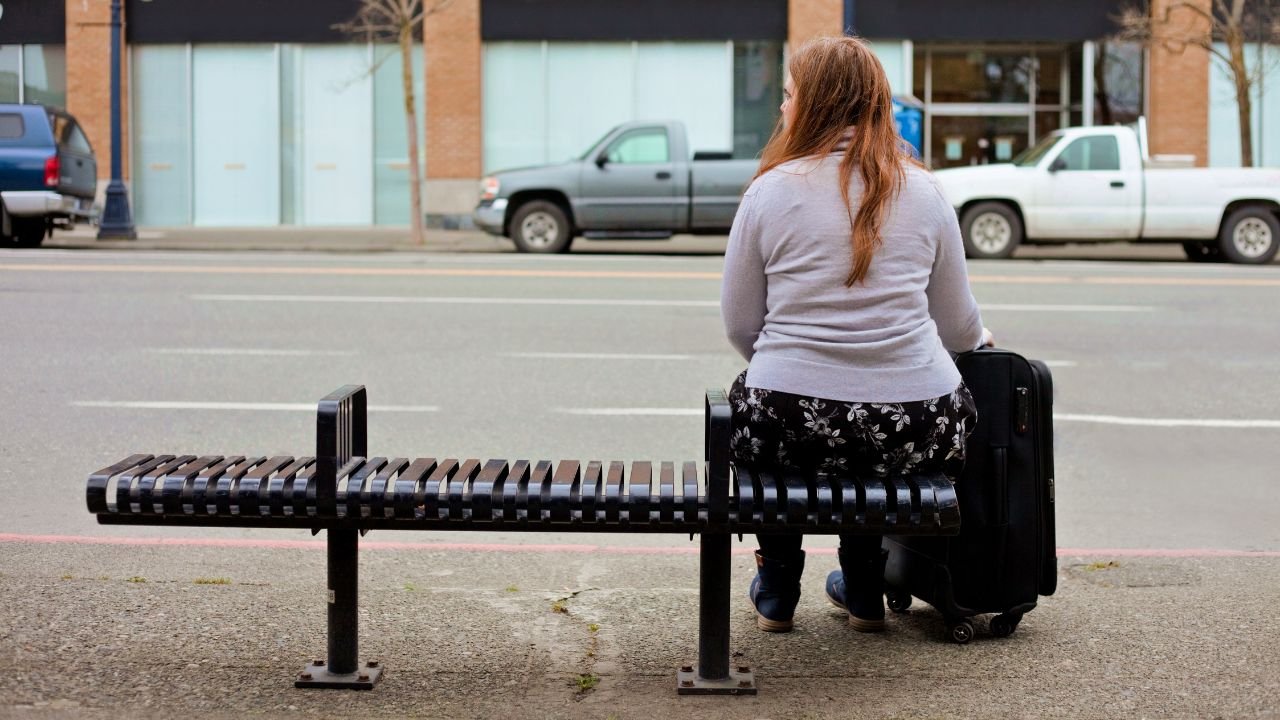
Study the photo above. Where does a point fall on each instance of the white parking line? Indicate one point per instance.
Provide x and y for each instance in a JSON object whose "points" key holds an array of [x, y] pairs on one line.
{"points": [[457, 300], [287, 407], [630, 411], [592, 356], [1168, 422], [248, 351], [1058, 417], [405, 299], [1066, 308]]}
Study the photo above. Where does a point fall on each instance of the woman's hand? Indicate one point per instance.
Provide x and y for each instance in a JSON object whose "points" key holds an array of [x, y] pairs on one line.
{"points": [[988, 340]]}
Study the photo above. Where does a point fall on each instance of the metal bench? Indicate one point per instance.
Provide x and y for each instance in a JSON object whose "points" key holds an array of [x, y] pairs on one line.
{"points": [[347, 493]]}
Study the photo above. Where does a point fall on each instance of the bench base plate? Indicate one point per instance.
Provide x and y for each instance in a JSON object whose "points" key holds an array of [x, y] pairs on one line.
{"points": [[741, 681], [317, 675]]}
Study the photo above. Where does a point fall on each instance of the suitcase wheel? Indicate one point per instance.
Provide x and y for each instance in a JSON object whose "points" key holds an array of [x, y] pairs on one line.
{"points": [[1004, 624], [898, 601], [960, 631]]}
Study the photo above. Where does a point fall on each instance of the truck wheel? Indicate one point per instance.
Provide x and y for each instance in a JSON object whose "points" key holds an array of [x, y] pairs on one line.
{"points": [[28, 232], [541, 227], [990, 230], [1251, 235]]}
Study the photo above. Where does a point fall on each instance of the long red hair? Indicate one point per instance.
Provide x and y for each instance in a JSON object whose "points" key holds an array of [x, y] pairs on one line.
{"points": [[840, 84]]}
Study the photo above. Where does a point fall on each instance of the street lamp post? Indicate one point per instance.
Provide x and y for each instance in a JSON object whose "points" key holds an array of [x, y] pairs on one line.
{"points": [[116, 222]]}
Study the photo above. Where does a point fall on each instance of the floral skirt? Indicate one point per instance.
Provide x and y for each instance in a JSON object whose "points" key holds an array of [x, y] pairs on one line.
{"points": [[858, 439]]}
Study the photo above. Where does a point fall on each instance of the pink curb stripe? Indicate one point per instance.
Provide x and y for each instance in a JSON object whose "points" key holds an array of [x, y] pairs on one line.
{"points": [[690, 549]]}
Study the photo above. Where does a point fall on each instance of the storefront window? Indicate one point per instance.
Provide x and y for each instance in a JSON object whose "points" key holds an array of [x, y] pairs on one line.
{"points": [[1048, 77], [976, 140], [10, 69], [757, 93], [977, 76], [44, 74], [1117, 81]]}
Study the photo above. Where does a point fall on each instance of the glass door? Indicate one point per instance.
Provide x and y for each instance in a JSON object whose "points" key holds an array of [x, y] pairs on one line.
{"points": [[236, 133]]}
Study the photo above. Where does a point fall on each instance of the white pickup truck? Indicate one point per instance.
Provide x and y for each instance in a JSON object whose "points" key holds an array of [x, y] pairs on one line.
{"points": [[1092, 184]]}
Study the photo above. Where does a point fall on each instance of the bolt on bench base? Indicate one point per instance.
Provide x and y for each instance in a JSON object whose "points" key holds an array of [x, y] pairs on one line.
{"points": [[317, 675], [739, 682]]}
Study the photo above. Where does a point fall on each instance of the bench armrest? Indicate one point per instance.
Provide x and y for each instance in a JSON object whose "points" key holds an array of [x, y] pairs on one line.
{"points": [[341, 434], [719, 430]]}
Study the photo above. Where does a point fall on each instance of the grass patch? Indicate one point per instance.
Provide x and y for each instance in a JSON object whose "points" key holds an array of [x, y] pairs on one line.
{"points": [[593, 627], [136, 579], [212, 581], [1096, 566], [409, 587], [68, 577], [512, 588], [586, 682], [559, 607]]}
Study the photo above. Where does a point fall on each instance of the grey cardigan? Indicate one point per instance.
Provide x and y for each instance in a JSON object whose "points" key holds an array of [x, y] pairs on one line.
{"points": [[787, 311]]}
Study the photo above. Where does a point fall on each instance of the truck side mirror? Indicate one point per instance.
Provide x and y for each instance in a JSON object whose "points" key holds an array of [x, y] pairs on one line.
{"points": [[602, 160], [1057, 164]]}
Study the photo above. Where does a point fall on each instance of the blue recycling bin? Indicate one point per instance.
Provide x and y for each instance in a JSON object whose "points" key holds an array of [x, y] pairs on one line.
{"points": [[908, 115]]}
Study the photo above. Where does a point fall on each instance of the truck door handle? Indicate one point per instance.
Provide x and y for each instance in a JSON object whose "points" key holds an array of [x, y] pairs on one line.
{"points": [[663, 175], [1117, 183]]}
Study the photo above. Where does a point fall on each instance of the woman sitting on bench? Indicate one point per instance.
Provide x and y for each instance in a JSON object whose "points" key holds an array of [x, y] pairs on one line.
{"points": [[844, 288]]}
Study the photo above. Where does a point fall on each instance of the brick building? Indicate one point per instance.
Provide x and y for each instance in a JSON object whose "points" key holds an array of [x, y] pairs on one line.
{"points": [[242, 112]]}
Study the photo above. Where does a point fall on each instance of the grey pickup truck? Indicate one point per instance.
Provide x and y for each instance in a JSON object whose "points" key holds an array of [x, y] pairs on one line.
{"points": [[640, 181]]}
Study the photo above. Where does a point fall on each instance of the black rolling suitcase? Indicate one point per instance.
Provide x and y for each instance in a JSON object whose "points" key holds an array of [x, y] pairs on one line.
{"points": [[1005, 556]]}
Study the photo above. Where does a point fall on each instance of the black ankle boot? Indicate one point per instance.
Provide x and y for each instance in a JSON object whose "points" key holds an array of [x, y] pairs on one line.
{"points": [[775, 590], [858, 587]]}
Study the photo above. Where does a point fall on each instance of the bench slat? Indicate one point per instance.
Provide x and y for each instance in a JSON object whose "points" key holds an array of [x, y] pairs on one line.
{"points": [[483, 490], [564, 487], [125, 481], [667, 490], [514, 489], [689, 494], [431, 489], [613, 491], [539, 492], [592, 491], [408, 487], [639, 492], [459, 490]]}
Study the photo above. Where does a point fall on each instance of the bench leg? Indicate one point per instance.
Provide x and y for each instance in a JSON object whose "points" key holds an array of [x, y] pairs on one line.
{"points": [[342, 670], [714, 675]]}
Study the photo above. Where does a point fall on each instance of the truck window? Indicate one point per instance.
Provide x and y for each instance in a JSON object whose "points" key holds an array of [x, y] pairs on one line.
{"points": [[1092, 153], [11, 126], [76, 140], [1032, 155], [640, 146]]}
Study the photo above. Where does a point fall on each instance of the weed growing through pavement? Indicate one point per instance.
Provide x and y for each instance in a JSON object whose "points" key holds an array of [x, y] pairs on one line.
{"points": [[593, 627], [68, 577], [1110, 564], [559, 607], [512, 588], [586, 682], [212, 581], [409, 587], [136, 579]]}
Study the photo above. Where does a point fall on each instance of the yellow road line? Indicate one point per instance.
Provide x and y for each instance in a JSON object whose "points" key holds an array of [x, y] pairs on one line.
{"points": [[596, 274]]}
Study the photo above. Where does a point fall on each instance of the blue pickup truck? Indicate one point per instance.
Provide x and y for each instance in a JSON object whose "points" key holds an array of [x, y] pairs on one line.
{"points": [[48, 174]]}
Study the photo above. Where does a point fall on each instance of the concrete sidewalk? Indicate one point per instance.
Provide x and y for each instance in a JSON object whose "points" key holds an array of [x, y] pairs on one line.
{"points": [[127, 631]]}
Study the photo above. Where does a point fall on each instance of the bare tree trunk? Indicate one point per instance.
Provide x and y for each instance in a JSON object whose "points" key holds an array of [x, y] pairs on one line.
{"points": [[411, 120], [1244, 105]]}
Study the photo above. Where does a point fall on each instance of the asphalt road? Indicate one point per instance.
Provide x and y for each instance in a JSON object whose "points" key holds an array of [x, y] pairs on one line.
{"points": [[1166, 374], [1167, 388]]}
